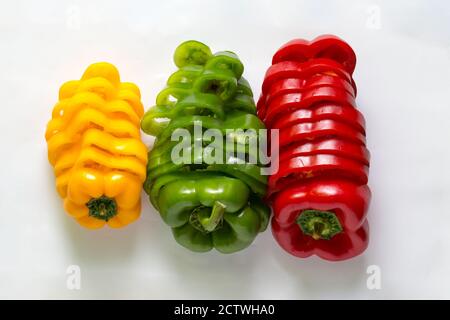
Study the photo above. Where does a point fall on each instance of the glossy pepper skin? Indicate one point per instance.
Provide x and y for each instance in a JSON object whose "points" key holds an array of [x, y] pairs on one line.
{"points": [[95, 148], [347, 200], [319, 194], [208, 204], [212, 211]]}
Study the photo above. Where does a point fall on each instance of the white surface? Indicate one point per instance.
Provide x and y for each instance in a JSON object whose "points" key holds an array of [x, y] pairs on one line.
{"points": [[403, 80]]}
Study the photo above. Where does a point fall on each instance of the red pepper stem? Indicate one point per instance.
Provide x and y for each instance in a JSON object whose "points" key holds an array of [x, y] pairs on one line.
{"points": [[102, 208], [319, 224]]}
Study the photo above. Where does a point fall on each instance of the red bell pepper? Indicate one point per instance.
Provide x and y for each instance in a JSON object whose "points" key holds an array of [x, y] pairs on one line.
{"points": [[319, 194], [323, 217], [324, 46]]}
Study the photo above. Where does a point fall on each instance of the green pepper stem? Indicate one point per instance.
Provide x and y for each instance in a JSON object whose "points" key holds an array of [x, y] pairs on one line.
{"points": [[217, 212], [102, 208], [319, 224]]}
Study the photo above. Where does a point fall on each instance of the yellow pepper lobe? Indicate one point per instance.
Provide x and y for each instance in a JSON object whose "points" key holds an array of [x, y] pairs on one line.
{"points": [[95, 148]]}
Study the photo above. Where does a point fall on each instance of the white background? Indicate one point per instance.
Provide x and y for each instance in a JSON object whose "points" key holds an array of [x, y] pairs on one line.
{"points": [[403, 77]]}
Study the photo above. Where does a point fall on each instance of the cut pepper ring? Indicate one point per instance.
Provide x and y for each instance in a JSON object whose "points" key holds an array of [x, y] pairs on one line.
{"points": [[310, 131], [321, 111], [297, 85], [293, 101], [324, 46], [315, 166], [293, 69], [332, 146]]}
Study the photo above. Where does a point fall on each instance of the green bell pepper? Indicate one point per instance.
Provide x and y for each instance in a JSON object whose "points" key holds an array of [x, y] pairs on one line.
{"points": [[207, 203]]}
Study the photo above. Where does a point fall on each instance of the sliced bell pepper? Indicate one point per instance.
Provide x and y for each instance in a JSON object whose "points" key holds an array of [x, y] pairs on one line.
{"points": [[95, 148], [207, 204], [319, 194]]}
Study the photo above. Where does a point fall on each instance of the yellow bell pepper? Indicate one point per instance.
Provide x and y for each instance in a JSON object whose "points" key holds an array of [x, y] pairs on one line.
{"points": [[95, 148]]}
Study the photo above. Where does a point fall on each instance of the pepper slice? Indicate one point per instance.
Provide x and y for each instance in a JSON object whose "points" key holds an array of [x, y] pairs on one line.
{"points": [[157, 118], [169, 96], [319, 129], [185, 77], [293, 101], [296, 85], [324, 46], [163, 154], [183, 101], [243, 87], [302, 168], [212, 212], [235, 120], [321, 111], [333, 146], [221, 83], [248, 173], [191, 52], [200, 103], [294, 69], [226, 60]]}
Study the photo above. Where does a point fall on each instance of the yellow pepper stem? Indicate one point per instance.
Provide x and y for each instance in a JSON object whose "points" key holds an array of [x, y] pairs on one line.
{"points": [[102, 208]]}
